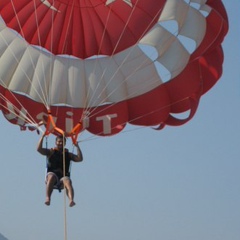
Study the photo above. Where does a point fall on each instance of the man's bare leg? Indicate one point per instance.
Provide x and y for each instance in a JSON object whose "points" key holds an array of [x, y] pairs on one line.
{"points": [[51, 180], [69, 190]]}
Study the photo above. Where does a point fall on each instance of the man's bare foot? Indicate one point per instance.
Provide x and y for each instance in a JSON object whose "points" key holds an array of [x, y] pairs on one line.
{"points": [[72, 203], [47, 202]]}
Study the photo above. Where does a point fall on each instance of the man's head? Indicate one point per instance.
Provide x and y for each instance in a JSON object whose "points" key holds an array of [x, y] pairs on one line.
{"points": [[60, 142]]}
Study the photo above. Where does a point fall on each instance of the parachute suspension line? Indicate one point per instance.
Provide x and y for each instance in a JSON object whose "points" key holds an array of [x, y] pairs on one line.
{"points": [[46, 101], [65, 190], [126, 24], [132, 73], [45, 90], [133, 93], [139, 66], [194, 98], [52, 27], [68, 20], [116, 71], [68, 27], [29, 55], [96, 62], [38, 32], [15, 13], [14, 112], [21, 68], [173, 103], [46, 144], [122, 63], [101, 42], [43, 85], [51, 86], [147, 114], [94, 137]]}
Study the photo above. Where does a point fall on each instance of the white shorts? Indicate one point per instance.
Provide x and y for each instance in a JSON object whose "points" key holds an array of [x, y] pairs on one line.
{"points": [[59, 182]]}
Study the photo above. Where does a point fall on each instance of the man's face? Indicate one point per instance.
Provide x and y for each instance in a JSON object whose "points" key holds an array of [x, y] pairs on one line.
{"points": [[59, 143]]}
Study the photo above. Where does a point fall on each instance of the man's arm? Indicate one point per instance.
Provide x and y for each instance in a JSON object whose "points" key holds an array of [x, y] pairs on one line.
{"points": [[79, 156], [40, 149]]}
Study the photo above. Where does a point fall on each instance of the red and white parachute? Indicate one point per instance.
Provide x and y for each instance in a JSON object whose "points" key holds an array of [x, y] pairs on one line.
{"points": [[97, 65]]}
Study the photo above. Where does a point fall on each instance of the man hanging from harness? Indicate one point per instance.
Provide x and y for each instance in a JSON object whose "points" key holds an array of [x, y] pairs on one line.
{"points": [[58, 160]]}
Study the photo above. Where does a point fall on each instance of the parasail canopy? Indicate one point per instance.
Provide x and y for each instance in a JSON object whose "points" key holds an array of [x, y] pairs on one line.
{"points": [[106, 63]]}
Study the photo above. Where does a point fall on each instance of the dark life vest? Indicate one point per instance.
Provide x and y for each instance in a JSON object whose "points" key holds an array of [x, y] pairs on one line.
{"points": [[55, 162]]}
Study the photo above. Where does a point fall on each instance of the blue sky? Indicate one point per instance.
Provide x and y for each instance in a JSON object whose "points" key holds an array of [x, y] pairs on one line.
{"points": [[182, 183]]}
